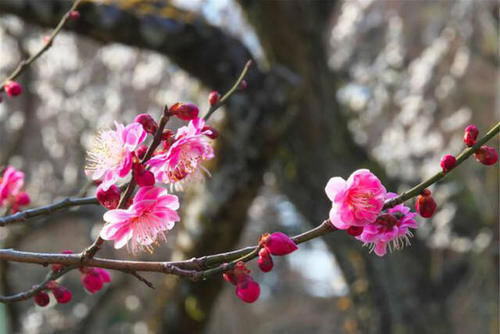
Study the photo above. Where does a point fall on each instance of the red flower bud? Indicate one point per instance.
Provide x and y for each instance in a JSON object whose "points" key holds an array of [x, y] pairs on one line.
{"points": [[213, 97], [277, 243], [12, 88], [42, 298], [62, 294], [247, 289], [93, 279], [486, 155], [74, 15], [448, 161], [108, 198], [185, 111], [148, 123], [470, 135], [425, 205], [142, 176], [265, 260], [57, 266], [23, 199], [210, 132], [355, 230]]}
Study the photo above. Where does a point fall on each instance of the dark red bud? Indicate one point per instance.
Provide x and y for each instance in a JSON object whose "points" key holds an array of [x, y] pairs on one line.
{"points": [[74, 15], [486, 155], [42, 298], [470, 135], [62, 294], [448, 161], [213, 97], [247, 289], [148, 123], [425, 204], [185, 111], [12, 88], [277, 243], [142, 176]]}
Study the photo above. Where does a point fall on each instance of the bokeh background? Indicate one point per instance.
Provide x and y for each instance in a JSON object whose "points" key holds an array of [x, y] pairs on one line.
{"points": [[337, 85]]}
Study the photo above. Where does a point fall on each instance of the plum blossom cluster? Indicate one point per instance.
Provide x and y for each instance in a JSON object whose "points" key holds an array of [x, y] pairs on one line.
{"points": [[247, 289], [61, 294], [12, 194], [120, 155], [358, 203]]}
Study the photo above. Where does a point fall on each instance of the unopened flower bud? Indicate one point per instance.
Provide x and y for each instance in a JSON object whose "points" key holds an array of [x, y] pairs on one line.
{"points": [[265, 260], [12, 88], [42, 298], [74, 15], [486, 155], [277, 243], [425, 204], [247, 289], [470, 135], [210, 132], [108, 198], [142, 176], [62, 294], [213, 97], [355, 230], [232, 276], [448, 161], [185, 111], [148, 123], [23, 199]]}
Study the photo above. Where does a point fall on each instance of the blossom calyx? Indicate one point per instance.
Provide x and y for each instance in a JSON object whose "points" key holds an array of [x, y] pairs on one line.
{"points": [[185, 111], [108, 198], [425, 204], [277, 243]]}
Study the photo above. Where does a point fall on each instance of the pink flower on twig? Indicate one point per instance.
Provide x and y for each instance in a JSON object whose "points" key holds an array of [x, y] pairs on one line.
{"points": [[357, 201], [391, 229], [110, 157], [11, 189], [183, 158], [152, 213]]}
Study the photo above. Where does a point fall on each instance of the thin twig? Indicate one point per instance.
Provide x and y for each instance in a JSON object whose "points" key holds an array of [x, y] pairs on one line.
{"points": [[230, 92], [47, 209], [46, 45], [415, 191]]}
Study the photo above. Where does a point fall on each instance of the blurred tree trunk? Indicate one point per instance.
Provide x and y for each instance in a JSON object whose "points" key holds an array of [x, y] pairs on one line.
{"points": [[289, 120]]}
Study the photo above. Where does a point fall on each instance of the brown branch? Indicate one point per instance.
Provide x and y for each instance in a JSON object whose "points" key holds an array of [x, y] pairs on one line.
{"points": [[47, 209], [46, 45]]}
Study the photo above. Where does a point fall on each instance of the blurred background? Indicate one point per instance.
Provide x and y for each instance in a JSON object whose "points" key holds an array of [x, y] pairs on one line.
{"points": [[337, 85]]}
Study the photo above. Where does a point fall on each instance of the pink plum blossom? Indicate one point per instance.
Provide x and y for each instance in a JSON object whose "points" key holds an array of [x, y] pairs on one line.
{"points": [[389, 228], [11, 189], [110, 157], [182, 159], [357, 201], [153, 211]]}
